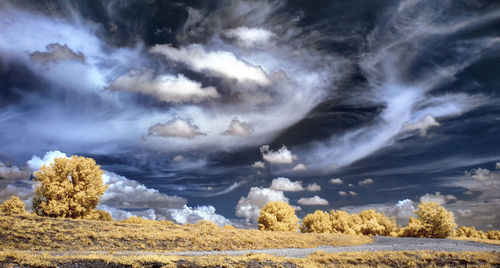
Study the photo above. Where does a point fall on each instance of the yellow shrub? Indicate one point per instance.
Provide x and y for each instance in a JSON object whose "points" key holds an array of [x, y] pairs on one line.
{"points": [[464, 231], [69, 187], [207, 224], [318, 222], [278, 216], [433, 221], [98, 214], [12, 206], [343, 222], [375, 223], [493, 234], [140, 220]]}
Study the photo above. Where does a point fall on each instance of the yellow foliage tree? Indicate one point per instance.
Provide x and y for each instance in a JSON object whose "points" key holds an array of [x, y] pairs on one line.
{"points": [[433, 221], [68, 188], [12, 206], [318, 222], [278, 216]]}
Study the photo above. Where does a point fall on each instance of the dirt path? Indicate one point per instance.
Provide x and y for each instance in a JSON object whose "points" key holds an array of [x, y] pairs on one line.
{"points": [[379, 244]]}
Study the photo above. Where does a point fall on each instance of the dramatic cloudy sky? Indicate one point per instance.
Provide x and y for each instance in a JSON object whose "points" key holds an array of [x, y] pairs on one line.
{"points": [[210, 109]]}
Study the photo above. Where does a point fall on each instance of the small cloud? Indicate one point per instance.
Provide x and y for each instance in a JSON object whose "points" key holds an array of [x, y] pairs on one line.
{"points": [[497, 165], [365, 182], [178, 158], [350, 185], [250, 37], [464, 212], [282, 156], [166, 88], [469, 193], [479, 174], [353, 193], [35, 163], [238, 128], [422, 125], [314, 187], [342, 193], [193, 215], [336, 181], [176, 127], [438, 198], [259, 164], [56, 53], [313, 201], [284, 184], [299, 167]]}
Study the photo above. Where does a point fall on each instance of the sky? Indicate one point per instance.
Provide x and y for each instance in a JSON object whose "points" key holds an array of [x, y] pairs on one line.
{"points": [[210, 109]]}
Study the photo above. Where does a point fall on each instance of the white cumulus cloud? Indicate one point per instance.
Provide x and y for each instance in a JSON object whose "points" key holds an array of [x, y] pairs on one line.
{"points": [[192, 215], [365, 182], [336, 181], [166, 88], [259, 164], [299, 167], [313, 187], [221, 63], [438, 198], [421, 125], [313, 201], [249, 207], [238, 128], [178, 158], [282, 156], [35, 163], [176, 127], [286, 185]]}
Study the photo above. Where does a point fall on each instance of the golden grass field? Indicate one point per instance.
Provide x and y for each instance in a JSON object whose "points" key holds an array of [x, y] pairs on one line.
{"points": [[31, 232], [317, 259], [479, 240]]}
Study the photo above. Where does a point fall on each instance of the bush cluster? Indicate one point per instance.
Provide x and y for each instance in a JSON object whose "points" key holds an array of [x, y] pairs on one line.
{"points": [[471, 232], [12, 206], [367, 222]]}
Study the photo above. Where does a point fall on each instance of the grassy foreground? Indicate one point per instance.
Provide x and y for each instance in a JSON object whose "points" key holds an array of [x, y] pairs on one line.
{"points": [[317, 259], [31, 232]]}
